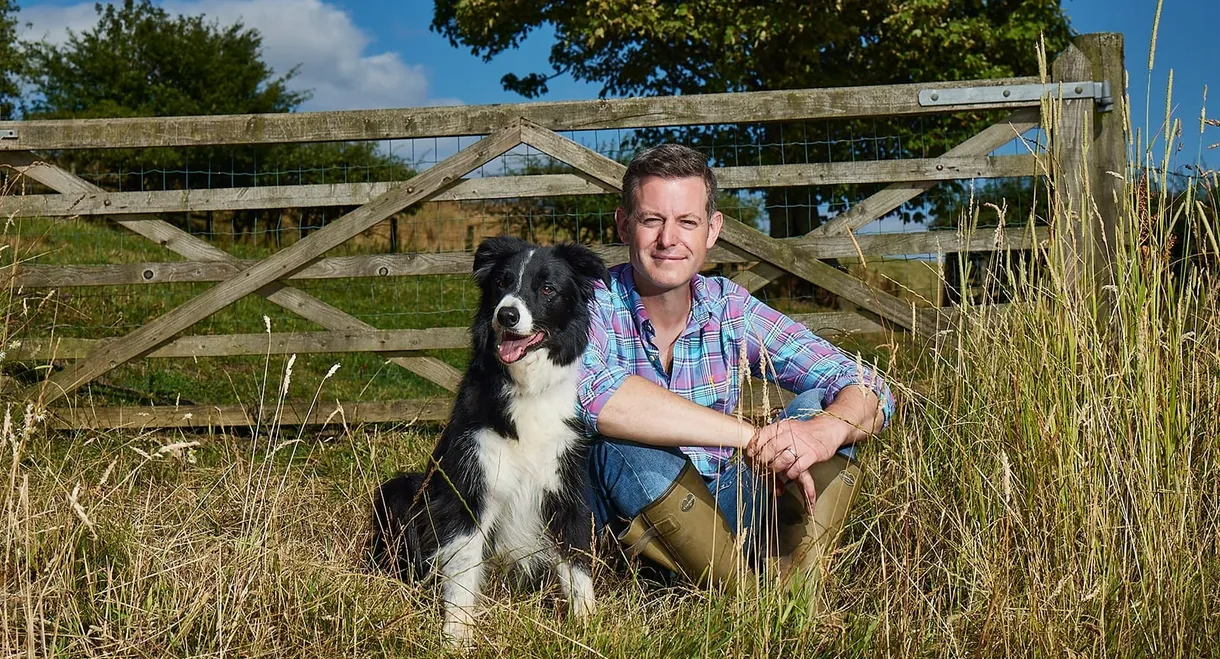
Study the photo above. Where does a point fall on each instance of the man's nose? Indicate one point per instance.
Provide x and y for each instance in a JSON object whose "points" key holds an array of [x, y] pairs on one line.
{"points": [[668, 235]]}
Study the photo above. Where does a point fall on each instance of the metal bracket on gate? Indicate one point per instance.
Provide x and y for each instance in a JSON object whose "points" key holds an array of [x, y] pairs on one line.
{"points": [[1098, 91], [8, 134]]}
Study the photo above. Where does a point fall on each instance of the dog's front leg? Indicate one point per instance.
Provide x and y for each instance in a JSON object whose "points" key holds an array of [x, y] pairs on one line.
{"points": [[571, 531], [461, 570]]}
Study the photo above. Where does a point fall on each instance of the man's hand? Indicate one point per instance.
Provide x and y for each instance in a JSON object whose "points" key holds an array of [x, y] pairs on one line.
{"points": [[791, 446]]}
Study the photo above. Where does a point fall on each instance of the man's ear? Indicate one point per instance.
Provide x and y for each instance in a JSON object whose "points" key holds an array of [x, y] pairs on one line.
{"points": [[714, 224], [588, 266], [622, 222], [492, 250]]}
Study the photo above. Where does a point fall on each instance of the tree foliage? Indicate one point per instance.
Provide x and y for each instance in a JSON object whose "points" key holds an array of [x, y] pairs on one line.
{"points": [[655, 47], [140, 61], [662, 48], [12, 59]]}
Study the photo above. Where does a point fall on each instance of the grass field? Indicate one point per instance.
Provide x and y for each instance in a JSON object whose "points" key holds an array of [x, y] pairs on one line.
{"points": [[1049, 487]]}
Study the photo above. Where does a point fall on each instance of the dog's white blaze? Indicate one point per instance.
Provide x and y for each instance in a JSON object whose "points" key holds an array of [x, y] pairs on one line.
{"points": [[460, 562], [525, 319], [525, 322], [521, 272]]}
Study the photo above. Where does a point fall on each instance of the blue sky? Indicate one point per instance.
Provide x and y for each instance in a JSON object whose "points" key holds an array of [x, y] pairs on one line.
{"points": [[364, 54]]}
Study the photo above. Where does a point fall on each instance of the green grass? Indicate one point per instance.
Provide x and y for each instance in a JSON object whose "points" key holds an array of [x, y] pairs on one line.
{"points": [[112, 311]]}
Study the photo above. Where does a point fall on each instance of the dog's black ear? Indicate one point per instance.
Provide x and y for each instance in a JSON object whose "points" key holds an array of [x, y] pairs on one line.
{"points": [[585, 263], [490, 251]]}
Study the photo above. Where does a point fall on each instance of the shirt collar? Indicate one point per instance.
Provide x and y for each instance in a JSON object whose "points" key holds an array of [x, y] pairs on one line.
{"points": [[700, 304]]}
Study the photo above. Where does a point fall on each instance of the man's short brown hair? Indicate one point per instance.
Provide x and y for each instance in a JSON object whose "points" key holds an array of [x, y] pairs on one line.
{"points": [[668, 161]]}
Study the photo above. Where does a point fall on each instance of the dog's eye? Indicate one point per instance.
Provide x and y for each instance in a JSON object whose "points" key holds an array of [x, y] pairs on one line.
{"points": [[547, 290], [504, 282]]}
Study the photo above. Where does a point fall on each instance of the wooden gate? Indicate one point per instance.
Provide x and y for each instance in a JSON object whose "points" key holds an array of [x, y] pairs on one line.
{"points": [[537, 125]]}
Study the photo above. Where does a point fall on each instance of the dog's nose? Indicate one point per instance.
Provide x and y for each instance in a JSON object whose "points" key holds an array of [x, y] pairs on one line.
{"points": [[508, 316]]}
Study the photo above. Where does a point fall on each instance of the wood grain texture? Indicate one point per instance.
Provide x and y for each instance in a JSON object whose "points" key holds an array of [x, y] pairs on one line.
{"points": [[450, 121], [501, 187], [460, 263]]}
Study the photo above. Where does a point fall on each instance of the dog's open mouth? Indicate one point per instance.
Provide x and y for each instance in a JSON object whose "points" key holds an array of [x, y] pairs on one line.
{"points": [[514, 346]]}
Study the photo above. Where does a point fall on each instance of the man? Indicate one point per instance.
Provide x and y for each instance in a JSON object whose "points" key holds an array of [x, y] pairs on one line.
{"points": [[660, 382]]}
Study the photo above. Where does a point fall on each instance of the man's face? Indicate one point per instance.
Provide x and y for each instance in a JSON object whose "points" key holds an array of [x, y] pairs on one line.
{"points": [[670, 233]]}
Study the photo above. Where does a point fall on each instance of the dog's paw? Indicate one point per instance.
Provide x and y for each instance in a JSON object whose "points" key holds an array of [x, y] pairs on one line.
{"points": [[583, 607], [459, 626]]}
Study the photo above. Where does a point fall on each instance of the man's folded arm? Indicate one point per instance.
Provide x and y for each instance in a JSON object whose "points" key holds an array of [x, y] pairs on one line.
{"points": [[645, 412]]}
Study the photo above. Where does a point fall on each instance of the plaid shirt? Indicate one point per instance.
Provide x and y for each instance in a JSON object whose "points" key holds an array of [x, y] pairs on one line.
{"points": [[706, 354]]}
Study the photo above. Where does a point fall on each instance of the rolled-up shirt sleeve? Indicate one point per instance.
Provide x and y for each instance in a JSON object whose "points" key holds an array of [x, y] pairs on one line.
{"points": [[602, 369], [786, 352]]}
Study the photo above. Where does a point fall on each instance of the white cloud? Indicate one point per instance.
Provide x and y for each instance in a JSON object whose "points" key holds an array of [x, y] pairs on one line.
{"points": [[51, 23], [319, 38]]}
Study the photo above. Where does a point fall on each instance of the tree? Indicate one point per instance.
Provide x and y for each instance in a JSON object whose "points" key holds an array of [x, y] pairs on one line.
{"points": [[141, 61], [154, 64], [12, 59], [667, 48]]}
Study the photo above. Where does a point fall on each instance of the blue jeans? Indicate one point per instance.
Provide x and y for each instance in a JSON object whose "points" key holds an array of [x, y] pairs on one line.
{"points": [[624, 477]]}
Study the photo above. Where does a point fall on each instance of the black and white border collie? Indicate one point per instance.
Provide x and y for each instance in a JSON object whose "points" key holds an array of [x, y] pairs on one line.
{"points": [[507, 477]]}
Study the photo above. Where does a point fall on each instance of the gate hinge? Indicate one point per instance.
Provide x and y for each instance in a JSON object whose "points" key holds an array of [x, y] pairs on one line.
{"points": [[8, 134], [1098, 91]]}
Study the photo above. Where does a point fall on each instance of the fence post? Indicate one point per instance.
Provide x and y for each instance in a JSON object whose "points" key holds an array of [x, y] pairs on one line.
{"points": [[1108, 156], [1090, 156]]}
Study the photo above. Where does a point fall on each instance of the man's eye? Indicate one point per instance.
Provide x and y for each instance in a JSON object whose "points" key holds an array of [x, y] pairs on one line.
{"points": [[650, 221], [547, 290]]}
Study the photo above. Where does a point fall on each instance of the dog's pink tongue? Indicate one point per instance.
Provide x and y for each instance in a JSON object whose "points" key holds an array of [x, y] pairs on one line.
{"points": [[513, 348]]}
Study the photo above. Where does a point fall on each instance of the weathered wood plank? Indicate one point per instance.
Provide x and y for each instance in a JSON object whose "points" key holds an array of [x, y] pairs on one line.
{"points": [[504, 187], [163, 233], [828, 277], [645, 112], [42, 349], [283, 263], [195, 248], [283, 343], [294, 413], [830, 324], [1071, 136], [893, 196], [285, 196], [1107, 154], [884, 201], [434, 370], [946, 168], [460, 263]]}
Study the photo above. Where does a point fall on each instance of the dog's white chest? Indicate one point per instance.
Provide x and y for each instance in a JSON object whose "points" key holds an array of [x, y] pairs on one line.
{"points": [[520, 472], [539, 413]]}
